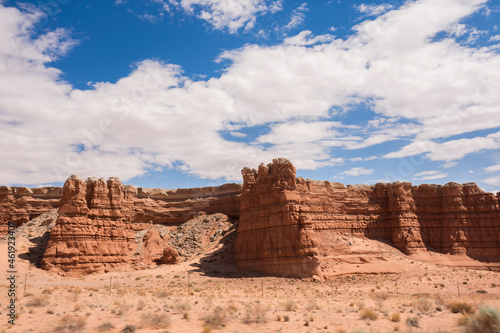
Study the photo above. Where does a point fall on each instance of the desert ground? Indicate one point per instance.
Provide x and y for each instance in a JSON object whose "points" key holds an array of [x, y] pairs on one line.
{"points": [[372, 287]]}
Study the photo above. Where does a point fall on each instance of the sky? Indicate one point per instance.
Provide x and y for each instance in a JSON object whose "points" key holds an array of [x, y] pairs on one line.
{"points": [[185, 93]]}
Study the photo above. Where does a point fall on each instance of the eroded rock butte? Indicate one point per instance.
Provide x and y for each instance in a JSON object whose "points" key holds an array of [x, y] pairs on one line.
{"points": [[284, 228]]}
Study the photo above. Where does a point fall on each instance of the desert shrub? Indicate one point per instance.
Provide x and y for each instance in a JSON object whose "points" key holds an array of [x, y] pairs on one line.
{"points": [[37, 301], [71, 324], [463, 320], [255, 313], [396, 317], [369, 314], [460, 307], [140, 304], [423, 304], [47, 291], [155, 320], [105, 327], [412, 321], [207, 329], [77, 306], [217, 319], [163, 294], [182, 306], [129, 329], [487, 320], [481, 291], [290, 305]]}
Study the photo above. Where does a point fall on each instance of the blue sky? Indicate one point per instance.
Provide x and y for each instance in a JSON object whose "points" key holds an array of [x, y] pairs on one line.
{"points": [[184, 93]]}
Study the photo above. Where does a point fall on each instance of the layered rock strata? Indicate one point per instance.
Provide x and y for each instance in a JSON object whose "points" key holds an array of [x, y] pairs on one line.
{"points": [[90, 234], [280, 215], [103, 225], [274, 237], [139, 205], [21, 204]]}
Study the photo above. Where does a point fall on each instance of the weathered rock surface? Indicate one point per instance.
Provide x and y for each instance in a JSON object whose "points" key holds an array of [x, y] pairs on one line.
{"points": [[273, 236], [281, 214], [90, 234], [286, 223], [21, 204], [103, 225]]}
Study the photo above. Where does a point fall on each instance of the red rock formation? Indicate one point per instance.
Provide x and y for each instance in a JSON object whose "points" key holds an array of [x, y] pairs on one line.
{"points": [[105, 226], [21, 204], [90, 234], [273, 236], [279, 214]]}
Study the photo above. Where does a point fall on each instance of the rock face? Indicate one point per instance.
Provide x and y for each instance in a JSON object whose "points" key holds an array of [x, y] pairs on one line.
{"points": [[21, 204], [280, 215], [103, 225], [274, 237], [285, 228], [90, 233]]}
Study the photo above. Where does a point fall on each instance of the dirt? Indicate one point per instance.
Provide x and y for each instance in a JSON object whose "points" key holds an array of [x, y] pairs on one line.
{"points": [[207, 293]]}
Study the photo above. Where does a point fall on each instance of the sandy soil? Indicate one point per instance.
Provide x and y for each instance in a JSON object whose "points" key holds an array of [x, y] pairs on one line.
{"points": [[371, 280]]}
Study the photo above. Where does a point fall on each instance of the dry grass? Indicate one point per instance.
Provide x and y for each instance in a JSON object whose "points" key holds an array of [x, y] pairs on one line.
{"points": [[155, 320], [423, 304], [369, 314], [486, 321], [255, 313], [69, 323], [290, 305], [396, 317], [217, 319], [38, 301], [460, 307], [105, 327]]}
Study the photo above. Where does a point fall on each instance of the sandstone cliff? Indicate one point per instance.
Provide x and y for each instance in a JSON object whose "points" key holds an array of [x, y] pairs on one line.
{"points": [[273, 236], [288, 225], [281, 214], [103, 225], [21, 204]]}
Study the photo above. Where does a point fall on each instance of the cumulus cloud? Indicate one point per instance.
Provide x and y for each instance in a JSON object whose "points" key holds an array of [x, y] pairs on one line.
{"points": [[493, 168], [421, 89], [373, 10], [492, 181], [228, 14], [428, 175], [358, 171]]}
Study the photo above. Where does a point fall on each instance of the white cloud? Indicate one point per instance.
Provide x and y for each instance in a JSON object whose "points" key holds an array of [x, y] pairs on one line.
{"points": [[229, 14], [493, 168], [421, 90], [374, 10], [358, 171], [495, 38], [449, 165], [428, 175], [492, 181], [298, 17], [306, 38], [153, 19]]}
